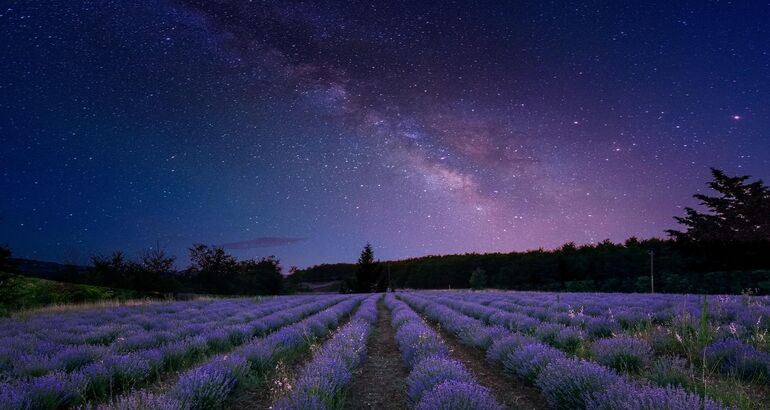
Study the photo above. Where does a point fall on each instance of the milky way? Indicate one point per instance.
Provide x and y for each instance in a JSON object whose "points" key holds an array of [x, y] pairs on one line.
{"points": [[305, 129]]}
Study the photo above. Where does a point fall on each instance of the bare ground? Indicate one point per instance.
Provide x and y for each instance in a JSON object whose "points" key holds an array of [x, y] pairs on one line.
{"points": [[381, 382]]}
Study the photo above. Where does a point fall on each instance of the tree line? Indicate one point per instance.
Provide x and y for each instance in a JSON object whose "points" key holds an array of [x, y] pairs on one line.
{"points": [[211, 270], [723, 248]]}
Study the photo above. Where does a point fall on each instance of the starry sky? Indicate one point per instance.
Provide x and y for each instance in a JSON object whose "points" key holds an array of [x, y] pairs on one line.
{"points": [[304, 129]]}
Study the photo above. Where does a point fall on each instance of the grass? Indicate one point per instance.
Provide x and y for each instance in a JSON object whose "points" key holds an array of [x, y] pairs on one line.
{"points": [[20, 293]]}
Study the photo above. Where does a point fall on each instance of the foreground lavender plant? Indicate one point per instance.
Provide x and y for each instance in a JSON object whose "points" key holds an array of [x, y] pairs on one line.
{"points": [[457, 395], [731, 356], [436, 381], [623, 353], [570, 383], [625, 396], [321, 382]]}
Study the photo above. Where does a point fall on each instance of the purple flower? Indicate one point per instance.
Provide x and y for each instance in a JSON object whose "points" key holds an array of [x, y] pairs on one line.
{"points": [[599, 327], [529, 360], [127, 370], [208, 386], [146, 401], [547, 332], [626, 396], [623, 353], [300, 401], [732, 356], [260, 355], [503, 346], [431, 371], [48, 392], [457, 395], [569, 383], [326, 376], [75, 357], [569, 339], [417, 341], [12, 397]]}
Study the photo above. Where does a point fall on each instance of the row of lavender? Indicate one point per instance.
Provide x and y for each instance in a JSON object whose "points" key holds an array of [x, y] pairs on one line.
{"points": [[321, 382], [741, 316], [68, 341], [435, 381], [566, 382], [79, 369], [210, 384], [727, 351]]}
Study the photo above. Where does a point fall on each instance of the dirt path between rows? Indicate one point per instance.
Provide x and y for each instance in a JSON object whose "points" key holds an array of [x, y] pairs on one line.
{"points": [[511, 392], [381, 382]]}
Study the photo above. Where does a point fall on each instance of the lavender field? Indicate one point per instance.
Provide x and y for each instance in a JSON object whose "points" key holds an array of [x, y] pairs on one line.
{"points": [[422, 350]]}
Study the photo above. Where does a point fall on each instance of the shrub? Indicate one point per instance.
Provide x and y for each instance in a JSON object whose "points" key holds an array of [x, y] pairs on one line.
{"points": [[417, 341], [432, 371], [145, 401], [622, 353], [569, 339], [732, 356], [529, 360], [626, 396], [599, 327], [456, 395], [502, 347], [670, 371], [547, 332], [208, 386], [568, 384], [325, 377]]}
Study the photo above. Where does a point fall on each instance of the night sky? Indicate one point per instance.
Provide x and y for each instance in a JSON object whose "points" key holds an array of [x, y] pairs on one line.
{"points": [[305, 129]]}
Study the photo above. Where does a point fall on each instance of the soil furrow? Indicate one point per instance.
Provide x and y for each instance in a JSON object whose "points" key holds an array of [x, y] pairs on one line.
{"points": [[381, 382]]}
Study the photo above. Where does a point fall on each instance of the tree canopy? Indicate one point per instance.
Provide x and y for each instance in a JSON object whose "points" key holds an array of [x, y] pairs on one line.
{"points": [[741, 212]]}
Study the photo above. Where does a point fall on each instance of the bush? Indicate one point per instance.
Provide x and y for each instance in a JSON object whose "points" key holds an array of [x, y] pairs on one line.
{"points": [[670, 371], [431, 372], [734, 357], [529, 360], [626, 396], [456, 395], [568, 384], [622, 353]]}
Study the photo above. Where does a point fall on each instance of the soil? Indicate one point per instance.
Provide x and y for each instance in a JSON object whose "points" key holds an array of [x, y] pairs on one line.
{"points": [[381, 382]]}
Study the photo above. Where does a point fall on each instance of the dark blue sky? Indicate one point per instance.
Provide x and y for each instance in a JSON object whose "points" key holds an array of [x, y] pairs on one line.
{"points": [[305, 129]]}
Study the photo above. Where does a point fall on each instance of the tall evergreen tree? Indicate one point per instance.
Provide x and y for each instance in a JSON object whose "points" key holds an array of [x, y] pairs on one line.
{"points": [[366, 271], [741, 212]]}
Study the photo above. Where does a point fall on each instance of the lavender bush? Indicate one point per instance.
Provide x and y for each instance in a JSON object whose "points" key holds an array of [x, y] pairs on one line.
{"points": [[457, 395], [570, 383], [432, 371], [622, 353]]}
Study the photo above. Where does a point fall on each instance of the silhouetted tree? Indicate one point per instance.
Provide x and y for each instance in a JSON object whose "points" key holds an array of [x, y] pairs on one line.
{"points": [[741, 212], [156, 271], [113, 270], [259, 276], [366, 271], [212, 267], [5, 258], [478, 279]]}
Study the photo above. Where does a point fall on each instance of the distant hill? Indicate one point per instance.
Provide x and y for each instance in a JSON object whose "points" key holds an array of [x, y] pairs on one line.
{"points": [[45, 269], [322, 273], [19, 292]]}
